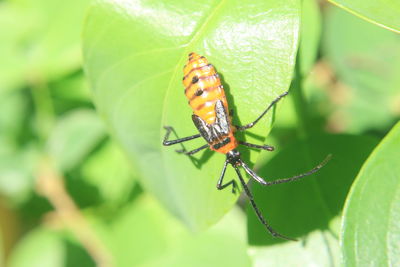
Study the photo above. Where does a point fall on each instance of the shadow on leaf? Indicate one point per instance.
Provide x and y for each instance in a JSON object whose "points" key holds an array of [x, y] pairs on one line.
{"points": [[295, 209]]}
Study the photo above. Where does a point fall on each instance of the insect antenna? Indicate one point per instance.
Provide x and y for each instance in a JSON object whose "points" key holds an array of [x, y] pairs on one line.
{"points": [[257, 211]]}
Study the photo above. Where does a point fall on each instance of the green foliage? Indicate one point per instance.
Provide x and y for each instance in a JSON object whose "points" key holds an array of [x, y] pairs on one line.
{"points": [[370, 223], [44, 44], [309, 36], [74, 136], [293, 214], [264, 47], [163, 241], [55, 249], [73, 195], [368, 65], [384, 13]]}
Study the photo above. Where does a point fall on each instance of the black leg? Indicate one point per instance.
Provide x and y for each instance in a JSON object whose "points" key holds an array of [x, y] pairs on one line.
{"points": [[257, 211], [247, 126], [221, 186], [253, 174], [192, 151], [265, 147], [284, 180], [167, 142]]}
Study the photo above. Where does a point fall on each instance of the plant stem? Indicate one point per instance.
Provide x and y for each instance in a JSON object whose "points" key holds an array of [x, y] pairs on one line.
{"points": [[50, 184]]}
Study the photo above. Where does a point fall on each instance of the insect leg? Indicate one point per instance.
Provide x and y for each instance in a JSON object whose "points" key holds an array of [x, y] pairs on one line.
{"points": [[192, 151], [248, 126], [257, 211], [265, 147], [285, 180], [253, 174], [221, 186], [167, 142]]}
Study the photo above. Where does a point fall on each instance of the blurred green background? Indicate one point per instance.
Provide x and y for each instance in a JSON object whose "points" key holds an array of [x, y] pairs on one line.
{"points": [[70, 197]]}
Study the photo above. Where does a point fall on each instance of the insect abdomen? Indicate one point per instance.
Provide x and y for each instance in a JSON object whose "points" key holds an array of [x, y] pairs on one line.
{"points": [[203, 87]]}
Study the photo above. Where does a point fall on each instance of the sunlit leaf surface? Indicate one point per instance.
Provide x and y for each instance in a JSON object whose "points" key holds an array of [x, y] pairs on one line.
{"points": [[134, 55]]}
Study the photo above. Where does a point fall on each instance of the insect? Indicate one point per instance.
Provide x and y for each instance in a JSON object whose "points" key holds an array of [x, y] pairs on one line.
{"points": [[206, 97]]}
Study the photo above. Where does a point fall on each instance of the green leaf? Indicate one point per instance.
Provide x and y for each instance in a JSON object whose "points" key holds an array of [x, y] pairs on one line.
{"points": [[12, 65], [158, 239], [28, 253], [70, 92], [47, 248], [110, 172], [75, 135], [366, 61], [384, 13], [16, 172], [309, 209], [46, 45], [13, 112], [310, 35], [370, 226], [320, 248], [134, 56]]}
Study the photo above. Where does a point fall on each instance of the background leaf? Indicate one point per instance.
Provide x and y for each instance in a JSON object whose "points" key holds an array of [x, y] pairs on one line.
{"points": [[74, 136], [12, 34], [110, 172], [56, 249], [366, 61], [134, 55], [384, 13], [310, 35], [310, 209], [370, 227], [164, 241], [45, 46], [47, 53]]}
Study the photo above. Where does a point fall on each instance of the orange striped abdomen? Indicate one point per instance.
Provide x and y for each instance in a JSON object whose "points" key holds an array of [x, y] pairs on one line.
{"points": [[203, 87], [203, 90]]}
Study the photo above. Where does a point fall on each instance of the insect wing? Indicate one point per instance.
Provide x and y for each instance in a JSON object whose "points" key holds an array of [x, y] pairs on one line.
{"points": [[222, 122], [203, 128]]}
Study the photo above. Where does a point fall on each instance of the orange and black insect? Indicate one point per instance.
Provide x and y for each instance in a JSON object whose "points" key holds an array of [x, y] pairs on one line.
{"points": [[207, 98]]}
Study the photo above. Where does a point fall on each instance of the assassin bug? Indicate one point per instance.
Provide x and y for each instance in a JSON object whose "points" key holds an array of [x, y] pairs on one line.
{"points": [[207, 98]]}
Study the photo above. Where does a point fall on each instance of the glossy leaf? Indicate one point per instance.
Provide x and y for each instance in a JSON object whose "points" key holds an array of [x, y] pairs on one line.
{"points": [[309, 209], [384, 13], [366, 61], [370, 227], [134, 55]]}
